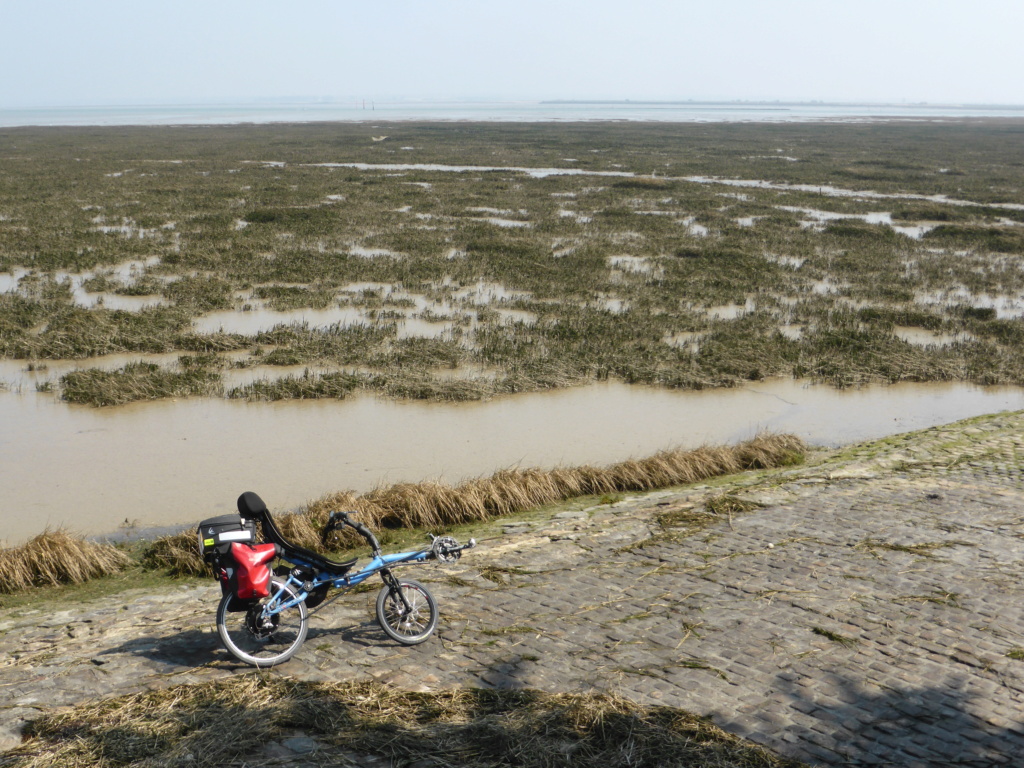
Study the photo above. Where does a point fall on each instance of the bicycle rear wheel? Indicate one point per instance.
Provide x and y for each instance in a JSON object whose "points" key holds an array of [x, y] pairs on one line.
{"points": [[259, 638], [412, 626]]}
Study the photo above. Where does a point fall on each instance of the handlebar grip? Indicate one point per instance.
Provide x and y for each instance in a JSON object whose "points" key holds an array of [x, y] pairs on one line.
{"points": [[367, 534], [342, 519]]}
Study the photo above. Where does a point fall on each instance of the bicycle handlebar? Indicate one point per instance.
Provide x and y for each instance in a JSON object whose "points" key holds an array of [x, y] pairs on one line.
{"points": [[445, 548], [341, 519]]}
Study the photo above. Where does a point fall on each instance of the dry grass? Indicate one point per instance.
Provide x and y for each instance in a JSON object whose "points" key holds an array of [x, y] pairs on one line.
{"points": [[514, 490], [729, 504], [139, 381], [177, 553], [57, 557], [226, 723], [438, 506]]}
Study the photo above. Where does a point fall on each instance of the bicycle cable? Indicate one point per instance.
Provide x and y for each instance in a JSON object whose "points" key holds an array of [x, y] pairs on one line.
{"points": [[325, 603]]}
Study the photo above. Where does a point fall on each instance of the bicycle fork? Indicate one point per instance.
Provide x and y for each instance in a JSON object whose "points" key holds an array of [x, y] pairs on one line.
{"points": [[396, 588]]}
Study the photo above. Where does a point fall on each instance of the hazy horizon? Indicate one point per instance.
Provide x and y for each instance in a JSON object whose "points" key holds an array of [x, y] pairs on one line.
{"points": [[300, 100], [116, 53]]}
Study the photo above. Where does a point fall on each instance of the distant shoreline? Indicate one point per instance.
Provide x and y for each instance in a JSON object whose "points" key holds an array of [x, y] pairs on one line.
{"points": [[788, 104], [554, 111]]}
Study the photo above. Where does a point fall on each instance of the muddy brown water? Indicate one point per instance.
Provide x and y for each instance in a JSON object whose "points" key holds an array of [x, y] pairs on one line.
{"points": [[174, 463]]}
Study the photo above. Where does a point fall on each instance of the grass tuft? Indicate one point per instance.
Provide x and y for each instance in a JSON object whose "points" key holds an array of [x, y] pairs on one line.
{"points": [[177, 553], [923, 549], [57, 557], [729, 504], [835, 637], [139, 381]]}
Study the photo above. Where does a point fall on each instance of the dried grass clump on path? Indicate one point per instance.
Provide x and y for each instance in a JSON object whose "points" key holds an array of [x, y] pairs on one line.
{"points": [[57, 557], [436, 505], [228, 722]]}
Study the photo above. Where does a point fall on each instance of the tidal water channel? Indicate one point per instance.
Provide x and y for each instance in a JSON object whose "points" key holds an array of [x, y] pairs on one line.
{"points": [[172, 463]]}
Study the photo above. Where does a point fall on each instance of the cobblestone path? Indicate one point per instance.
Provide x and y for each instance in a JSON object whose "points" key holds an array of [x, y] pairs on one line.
{"points": [[865, 609]]}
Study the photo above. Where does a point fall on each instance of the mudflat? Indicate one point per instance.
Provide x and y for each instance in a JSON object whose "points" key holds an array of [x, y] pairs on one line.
{"points": [[462, 261]]}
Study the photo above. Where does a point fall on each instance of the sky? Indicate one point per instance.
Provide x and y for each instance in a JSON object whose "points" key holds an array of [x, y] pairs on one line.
{"points": [[120, 52]]}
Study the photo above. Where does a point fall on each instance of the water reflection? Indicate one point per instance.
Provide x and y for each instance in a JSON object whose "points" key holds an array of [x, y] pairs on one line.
{"points": [[260, 319], [169, 463], [414, 315], [125, 274], [9, 280], [1005, 307], [818, 219], [922, 337]]}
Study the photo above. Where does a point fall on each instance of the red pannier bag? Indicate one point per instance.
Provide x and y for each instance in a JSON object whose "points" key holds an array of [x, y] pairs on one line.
{"points": [[253, 571]]}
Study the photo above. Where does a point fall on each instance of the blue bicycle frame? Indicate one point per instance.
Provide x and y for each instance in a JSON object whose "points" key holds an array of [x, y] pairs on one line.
{"points": [[380, 562]]}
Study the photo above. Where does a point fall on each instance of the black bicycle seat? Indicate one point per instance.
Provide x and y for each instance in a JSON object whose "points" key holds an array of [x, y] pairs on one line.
{"points": [[252, 507]]}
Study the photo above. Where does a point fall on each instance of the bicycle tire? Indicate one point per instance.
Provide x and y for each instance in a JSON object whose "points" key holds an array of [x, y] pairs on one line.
{"points": [[407, 628], [263, 642]]}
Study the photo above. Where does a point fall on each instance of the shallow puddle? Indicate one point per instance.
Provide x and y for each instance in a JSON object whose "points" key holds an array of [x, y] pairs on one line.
{"points": [[540, 173], [174, 463], [483, 292], [425, 318], [259, 320], [793, 262], [581, 218], [688, 340], [922, 337], [818, 219], [693, 228], [25, 375], [914, 231], [1006, 307], [731, 311], [9, 280], [824, 189], [126, 274], [612, 304], [627, 263], [373, 253], [537, 173], [506, 223], [523, 316], [827, 287], [495, 211]]}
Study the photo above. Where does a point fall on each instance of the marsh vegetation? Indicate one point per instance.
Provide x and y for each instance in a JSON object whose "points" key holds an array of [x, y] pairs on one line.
{"points": [[459, 261]]}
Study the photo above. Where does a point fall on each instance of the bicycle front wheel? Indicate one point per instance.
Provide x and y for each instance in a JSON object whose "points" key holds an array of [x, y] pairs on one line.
{"points": [[263, 636], [412, 626]]}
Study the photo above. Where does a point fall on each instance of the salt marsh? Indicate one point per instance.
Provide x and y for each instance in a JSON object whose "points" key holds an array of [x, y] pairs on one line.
{"points": [[487, 265]]}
